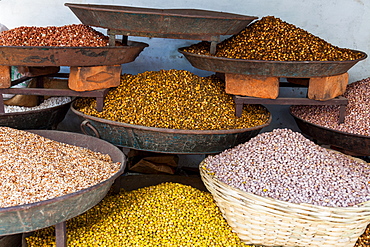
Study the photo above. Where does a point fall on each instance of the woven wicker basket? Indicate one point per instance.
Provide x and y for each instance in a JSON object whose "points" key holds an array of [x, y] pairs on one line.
{"points": [[265, 221]]}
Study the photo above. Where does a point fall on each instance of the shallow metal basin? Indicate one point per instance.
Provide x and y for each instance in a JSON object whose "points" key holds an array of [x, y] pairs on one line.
{"points": [[163, 140], [33, 216]]}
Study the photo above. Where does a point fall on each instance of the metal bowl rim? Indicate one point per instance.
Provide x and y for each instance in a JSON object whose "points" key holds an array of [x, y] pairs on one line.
{"points": [[70, 195], [131, 45], [177, 131], [130, 10], [326, 128], [271, 61]]}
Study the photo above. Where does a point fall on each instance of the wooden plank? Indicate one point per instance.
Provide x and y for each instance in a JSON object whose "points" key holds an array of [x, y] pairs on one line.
{"points": [[290, 101], [242, 100], [98, 94]]}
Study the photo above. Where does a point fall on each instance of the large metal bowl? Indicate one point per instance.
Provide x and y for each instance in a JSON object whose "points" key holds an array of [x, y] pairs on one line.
{"points": [[69, 56], [33, 216], [358, 145], [163, 23], [47, 118], [290, 69], [163, 140]]}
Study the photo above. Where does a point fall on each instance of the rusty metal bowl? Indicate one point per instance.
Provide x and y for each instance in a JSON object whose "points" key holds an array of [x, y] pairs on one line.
{"points": [[293, 69], [47, 118], [163, 23], [163, 140], [69, 56], [358, 145], [33, 216]]}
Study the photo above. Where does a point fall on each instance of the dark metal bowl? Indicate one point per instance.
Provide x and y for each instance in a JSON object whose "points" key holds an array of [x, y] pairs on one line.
{"points": [[163, 23], [33, 216], [47, 118], [162, 140], [359, 145], [70, 56], [293, 69]]}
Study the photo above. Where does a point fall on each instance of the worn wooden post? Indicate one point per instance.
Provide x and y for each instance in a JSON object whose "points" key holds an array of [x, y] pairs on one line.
{"points": [[5, 80]]}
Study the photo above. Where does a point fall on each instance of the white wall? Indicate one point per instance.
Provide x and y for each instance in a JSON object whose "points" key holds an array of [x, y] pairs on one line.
{"points": [[344, 23]]}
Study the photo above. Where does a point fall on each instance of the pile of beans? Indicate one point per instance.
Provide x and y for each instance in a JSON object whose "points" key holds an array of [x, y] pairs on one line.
{"points": [[48, 103], [75, 35], [174, 99], [34, 168], [357, 116], [168, 214], [271, 38], [285, 165]]}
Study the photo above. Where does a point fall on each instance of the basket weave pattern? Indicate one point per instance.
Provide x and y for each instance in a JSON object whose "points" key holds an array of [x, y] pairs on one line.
{"points": [[266, 221]]}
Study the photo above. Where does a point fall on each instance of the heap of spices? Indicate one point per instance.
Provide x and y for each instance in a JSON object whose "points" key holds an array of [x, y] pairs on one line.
{"points": [[174, 99], [168, 214], [74, 35], [270, 38]]}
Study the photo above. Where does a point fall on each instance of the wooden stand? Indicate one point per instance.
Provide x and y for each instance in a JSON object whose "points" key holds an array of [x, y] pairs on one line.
{"points": [[319, 88], [93, 81], [40, 91], [249, 89]]}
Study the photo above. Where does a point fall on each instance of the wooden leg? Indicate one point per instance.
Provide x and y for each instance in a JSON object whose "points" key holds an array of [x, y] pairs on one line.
{"points": [[5, 80], [342, 113], [99, 104], [2, 108], [61, 234], [238, 107]]}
